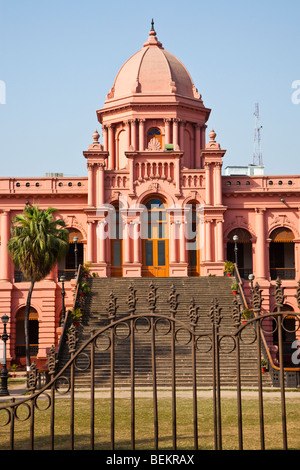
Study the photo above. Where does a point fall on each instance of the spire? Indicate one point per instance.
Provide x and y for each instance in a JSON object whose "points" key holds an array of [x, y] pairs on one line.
{"points": [[152, 39]]}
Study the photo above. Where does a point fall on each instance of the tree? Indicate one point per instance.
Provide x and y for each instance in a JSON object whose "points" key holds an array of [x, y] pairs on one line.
{"points": [[38, 242]]}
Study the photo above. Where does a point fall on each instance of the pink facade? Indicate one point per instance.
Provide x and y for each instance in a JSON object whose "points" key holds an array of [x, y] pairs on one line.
{"points": [[155, 149]]}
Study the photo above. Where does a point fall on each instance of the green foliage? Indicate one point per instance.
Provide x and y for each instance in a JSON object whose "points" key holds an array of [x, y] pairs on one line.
{"points": [[38, 242], [228, 267], [235, 286], [247, 313]]}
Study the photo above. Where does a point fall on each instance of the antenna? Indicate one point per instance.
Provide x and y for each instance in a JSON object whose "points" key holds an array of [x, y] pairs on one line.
{"points": [[257, 154]]}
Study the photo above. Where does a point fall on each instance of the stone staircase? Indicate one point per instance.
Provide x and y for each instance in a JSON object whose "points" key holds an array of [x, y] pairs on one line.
{"points": [[203, 290]]}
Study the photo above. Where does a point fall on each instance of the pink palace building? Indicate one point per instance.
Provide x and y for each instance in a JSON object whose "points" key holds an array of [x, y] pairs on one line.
{"points": [[154, 202]]}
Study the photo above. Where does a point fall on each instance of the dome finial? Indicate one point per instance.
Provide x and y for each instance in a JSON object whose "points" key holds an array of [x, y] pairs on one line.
{"points": [[152, 39]]}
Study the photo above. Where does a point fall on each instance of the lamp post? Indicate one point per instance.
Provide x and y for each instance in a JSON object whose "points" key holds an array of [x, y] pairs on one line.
{"points": [[75, 240], [235, 239], [251, 278], [63, 310], [4, 374]]}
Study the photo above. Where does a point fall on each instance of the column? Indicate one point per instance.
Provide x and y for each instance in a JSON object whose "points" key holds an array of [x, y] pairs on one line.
{"points": [[260, 252], [208, 243], [181, 135], [4, 259], [111, 146], [220, 244], [133, 133], [105, 138], [207, 184], [175, 132], [127, 128], [167, 131], [182, 250], [218, 183], [90, 241], [126, 242], [197, 146], [136, 241], [142, 135], [91, 188], [100, 188], [101, 241], [172, 244]]}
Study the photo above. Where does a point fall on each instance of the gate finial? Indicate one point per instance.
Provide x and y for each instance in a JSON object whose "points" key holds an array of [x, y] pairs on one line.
{"points": [[215, 312]]}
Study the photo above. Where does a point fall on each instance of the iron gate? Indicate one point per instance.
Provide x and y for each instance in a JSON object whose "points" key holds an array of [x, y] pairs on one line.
{"points": [[108, 340]]}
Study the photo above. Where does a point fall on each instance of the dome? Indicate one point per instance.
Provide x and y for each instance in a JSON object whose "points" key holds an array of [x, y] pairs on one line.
{"points": [[153, 71]]}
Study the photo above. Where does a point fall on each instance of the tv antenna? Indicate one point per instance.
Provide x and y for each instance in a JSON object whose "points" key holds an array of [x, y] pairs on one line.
{"points": [[257, 153]]}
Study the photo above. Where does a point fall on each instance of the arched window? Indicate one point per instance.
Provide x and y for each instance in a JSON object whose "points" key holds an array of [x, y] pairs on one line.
{"points": [[154, 138], [282, 254], [244, 251], [33, 332]]}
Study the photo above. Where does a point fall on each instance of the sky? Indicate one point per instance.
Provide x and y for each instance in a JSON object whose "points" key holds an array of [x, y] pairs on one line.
{"points": [[59, 59]]}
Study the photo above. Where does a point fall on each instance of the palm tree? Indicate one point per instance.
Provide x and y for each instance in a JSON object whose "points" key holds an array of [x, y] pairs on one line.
{"points": [[38, 242]]}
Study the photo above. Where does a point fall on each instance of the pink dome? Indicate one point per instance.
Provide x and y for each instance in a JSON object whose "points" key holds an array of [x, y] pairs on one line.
{"points": [[154, 71]]}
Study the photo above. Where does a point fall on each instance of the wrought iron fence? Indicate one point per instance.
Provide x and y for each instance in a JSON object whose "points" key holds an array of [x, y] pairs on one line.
{"points": [[213, 343]]}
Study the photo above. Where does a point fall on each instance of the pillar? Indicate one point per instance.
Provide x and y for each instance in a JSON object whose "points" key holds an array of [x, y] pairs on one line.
{"points": [[90, 240], [175, 132], [208, 242], [181, 135], [220, 243], [182, 250], [133, 133], [126, 243], [207, 184], [172, 243], [260, 252], [100, 188], [101, 241], [141, 135], [91, 189], [136, 242], [167, 131], [197, 146], [111, 147], [127, 129], [5, 258], [105, 138], [218, 184]]}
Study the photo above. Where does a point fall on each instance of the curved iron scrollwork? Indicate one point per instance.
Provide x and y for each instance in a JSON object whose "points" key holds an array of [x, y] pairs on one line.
{"points": [[279, 294], [112, 306], [131, 299], [215, 312], [173, 300]]}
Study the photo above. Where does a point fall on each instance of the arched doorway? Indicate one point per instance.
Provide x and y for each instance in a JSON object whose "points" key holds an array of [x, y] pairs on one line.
{"points": [[67, 266], [155, 242], [20, 349], [116, 246], [282, 254], [244, 251]]}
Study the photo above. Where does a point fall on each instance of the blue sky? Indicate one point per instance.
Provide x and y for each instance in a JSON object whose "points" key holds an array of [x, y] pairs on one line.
{"points": [[58, 60]]}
